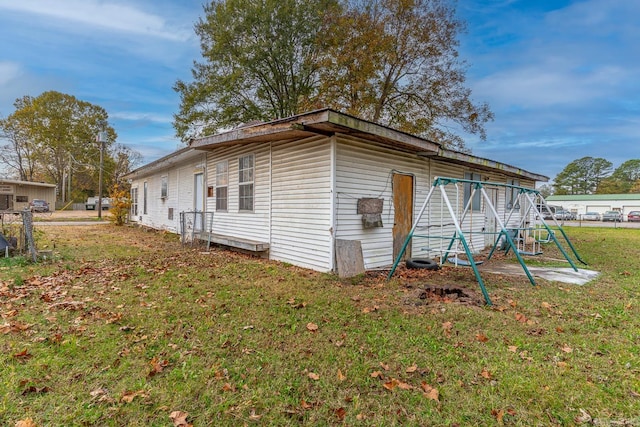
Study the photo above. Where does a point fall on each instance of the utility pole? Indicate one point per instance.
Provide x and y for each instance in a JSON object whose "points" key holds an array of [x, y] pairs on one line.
{"points": [[102, 138]]}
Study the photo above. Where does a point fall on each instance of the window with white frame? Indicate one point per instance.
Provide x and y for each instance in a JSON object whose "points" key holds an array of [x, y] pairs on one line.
{"points": [[164, 186], [245, 182], [468, 189], [134, 201], [511, 194], [145, 188], [222, 186]]}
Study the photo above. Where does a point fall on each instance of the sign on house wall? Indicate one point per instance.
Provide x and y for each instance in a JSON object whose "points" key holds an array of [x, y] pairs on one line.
{"points": [[6, 189]]}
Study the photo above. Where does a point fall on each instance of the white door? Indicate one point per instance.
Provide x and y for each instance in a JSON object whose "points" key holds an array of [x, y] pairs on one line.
{"points": [[198, 199]]}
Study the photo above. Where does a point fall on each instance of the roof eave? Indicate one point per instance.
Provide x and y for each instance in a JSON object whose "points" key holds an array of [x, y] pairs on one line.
{"points": [[485, 164]]}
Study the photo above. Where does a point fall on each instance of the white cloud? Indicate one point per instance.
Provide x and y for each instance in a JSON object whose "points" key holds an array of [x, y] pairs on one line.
{"points": [[138, 116], [112, 16], [8, 72]]}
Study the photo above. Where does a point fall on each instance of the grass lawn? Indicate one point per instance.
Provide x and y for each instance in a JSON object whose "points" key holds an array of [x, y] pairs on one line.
{"points": [[126, 327]]}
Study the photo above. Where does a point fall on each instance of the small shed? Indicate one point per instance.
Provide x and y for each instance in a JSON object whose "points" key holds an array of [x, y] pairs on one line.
{"points": [[299, 187], [16, 195]]}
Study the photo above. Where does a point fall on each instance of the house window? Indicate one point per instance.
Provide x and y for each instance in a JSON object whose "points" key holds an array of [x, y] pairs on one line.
{"points": [[245, 183], [222, 186], [511, 194], [164, 187], [468, 188], [22, 199], [170, 214], [144, 198], [134, 201]]}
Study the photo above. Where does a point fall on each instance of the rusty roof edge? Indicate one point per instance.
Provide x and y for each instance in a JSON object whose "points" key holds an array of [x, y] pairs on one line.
{"points": [[326, 115], [480, 161]]}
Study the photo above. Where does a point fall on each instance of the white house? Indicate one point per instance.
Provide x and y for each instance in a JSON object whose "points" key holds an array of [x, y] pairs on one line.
{"points": [[298, 185], [580, 204]]}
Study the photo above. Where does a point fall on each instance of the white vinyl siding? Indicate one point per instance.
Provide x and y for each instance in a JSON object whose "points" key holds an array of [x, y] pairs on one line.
{"points": [[301, 203], [366, 171], [252, 225], [179, 183]]}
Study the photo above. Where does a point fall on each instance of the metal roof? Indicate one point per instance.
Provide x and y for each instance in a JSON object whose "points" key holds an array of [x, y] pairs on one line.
{"points": [[330, 122], [34, 184]]}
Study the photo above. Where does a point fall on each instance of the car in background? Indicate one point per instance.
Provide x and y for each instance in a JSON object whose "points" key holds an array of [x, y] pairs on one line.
{"points": [[633, 216], [591, 216], [92, 202], [39, 205], [613, 216], [565, 215]]}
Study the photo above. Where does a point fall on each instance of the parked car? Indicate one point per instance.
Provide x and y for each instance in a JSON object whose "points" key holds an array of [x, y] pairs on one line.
{"points": [[39, 205], [633, 216], [565, 215], [614, 216], [591, 216]]}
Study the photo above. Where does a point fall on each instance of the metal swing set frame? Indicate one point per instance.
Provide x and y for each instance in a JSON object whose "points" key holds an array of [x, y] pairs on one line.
{"points": [[529, 204]]}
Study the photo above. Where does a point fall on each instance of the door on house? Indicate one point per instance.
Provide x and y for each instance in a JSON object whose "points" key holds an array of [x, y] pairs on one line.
{"points": [[6, 202], [403, 212], [198, 200]]}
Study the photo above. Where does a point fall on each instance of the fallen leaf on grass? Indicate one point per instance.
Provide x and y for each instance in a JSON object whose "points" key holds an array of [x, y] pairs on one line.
{"points": [[313, 376], [384, 366], [23, 355], [128, 396], [393, 383], [411, 369], [498, 414], [157, 366], [446, 327], [228, 387], [583, 418], [253, 416], [179, 419], [36, 390], [312, 327], [27, 422], [341, 376], [485, 374], [481, 337], [340, 413], [567, 349], [512, 348], [377, 374], [430, 392], [521, 318]]}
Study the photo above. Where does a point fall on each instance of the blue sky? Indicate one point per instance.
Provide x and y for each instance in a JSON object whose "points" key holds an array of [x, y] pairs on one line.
{"points": [[562, 77]]}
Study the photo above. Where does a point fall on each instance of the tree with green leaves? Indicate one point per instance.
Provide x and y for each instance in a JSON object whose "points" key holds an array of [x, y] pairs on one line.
{"points": [[53, 134], [582, 176], [260, 63], [394, 62], [622, 179]]}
